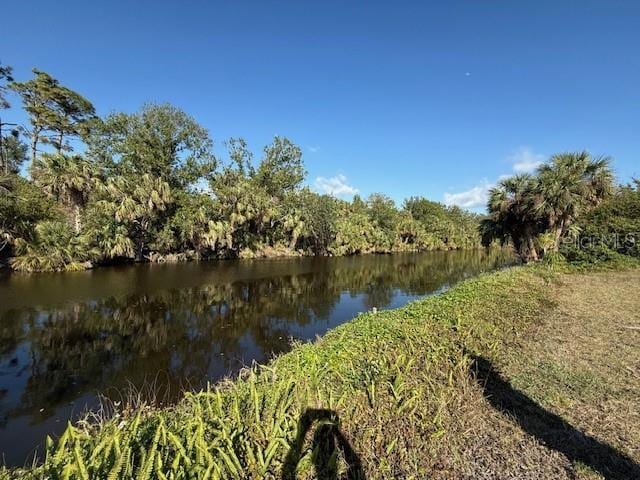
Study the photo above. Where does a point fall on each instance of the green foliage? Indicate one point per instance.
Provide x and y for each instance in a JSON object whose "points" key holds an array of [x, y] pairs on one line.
{"points": [[68, 179], [609, 230], [452, 227], [5, 76], [135, 204], [354, 235], [12, 150], [54, 248], [22, 206], [382, 211], [148, 187], [13, 153], [55, 111], [281, 171], [412, 235], [512, 215], [160, 141], [319, 218], [535, 212]]}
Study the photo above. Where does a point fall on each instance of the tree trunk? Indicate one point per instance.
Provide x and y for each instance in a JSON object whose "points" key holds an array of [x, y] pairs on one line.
{"points": [[5, 164], [59, 145], [141, 232], [526, 248], [77, 221], [34, 146], [140, 251], [533, 253], [558, 235]]}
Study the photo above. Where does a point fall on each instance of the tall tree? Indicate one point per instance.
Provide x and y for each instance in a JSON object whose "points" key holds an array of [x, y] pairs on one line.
{"points": [[260, 201], [319, 215], [281, 170], [55, 111], [161, 141], [383, 211]]}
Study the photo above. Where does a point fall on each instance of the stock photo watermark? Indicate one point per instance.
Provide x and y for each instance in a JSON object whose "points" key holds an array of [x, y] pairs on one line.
{"points": [[615, 241]]}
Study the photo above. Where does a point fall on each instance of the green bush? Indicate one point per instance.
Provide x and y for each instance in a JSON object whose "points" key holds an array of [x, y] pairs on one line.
{"points": [[54, 248], [610, 230]]}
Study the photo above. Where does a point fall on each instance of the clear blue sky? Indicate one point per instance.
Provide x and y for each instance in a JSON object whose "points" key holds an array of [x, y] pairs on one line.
{"points": [[406, 98]]}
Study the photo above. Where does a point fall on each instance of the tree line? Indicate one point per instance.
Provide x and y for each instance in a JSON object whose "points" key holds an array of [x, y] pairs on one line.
{"points": [[146, 186]]}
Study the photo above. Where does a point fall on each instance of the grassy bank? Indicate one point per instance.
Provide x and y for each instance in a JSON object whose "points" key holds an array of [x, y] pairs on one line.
{"points": [[462, 385]]}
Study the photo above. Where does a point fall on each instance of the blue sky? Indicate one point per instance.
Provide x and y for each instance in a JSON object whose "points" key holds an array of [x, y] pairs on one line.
{"points": [[437, 99]]}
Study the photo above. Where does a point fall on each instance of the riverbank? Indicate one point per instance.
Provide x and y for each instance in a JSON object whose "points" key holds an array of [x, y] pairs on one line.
{"points": [[469, 384], [263, 253]]}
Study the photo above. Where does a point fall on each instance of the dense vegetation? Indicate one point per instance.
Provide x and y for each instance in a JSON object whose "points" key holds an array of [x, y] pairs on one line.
{"points": [[613, 228], [147, 187], [569, 205]]}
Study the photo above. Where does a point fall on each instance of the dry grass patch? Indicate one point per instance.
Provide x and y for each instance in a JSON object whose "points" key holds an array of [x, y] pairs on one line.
{"points": [[582, 361]]}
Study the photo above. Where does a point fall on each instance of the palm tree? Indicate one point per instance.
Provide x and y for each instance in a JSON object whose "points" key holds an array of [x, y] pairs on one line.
{"points": [[68, 179], [513, 215], [54, 248], [568, 186], [138, 203]]}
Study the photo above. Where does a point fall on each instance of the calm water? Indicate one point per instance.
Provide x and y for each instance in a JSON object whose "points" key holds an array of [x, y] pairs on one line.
{"points": [[66, 339]]}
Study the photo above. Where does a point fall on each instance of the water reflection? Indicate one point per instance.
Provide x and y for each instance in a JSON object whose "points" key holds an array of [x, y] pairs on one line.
{"points": [[66, 338]]}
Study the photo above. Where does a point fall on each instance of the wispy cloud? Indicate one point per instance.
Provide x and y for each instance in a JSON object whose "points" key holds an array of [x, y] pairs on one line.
{"points": [[313, 149], [336, 186], [522, 160], [525, 160], [473, 198]]}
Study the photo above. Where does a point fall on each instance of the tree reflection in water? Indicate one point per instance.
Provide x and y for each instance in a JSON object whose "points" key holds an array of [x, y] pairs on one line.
{"points": [[179, 338]]}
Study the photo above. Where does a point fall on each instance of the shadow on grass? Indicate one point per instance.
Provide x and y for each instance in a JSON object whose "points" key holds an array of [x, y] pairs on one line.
{"points": [[550, 429], [327, 444]]}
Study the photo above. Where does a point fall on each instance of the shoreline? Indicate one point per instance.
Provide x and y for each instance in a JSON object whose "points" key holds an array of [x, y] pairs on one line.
{"points": [[5, 266]]}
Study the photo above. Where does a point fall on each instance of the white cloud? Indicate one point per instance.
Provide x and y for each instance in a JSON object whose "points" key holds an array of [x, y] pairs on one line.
{"points": [[336, 186], [313, 149], [524, 160], [474, 198]]}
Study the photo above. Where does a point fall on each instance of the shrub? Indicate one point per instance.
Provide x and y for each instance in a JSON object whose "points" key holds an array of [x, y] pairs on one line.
{"points": [[54, 248]]}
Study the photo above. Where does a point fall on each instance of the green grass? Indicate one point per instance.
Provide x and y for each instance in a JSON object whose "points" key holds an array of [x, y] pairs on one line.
{"points": [[553, 383], [393, 380]]}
